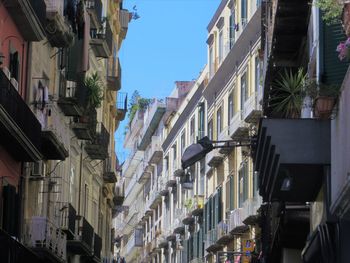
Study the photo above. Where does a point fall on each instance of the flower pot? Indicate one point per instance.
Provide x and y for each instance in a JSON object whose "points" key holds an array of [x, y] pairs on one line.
{"points": [[323, 106]]}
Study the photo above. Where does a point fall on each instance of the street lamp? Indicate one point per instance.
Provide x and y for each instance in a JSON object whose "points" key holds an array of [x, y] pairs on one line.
{"points": [[199, 150]]}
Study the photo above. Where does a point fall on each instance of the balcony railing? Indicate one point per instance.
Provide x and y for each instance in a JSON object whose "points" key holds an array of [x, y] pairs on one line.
{"points": [[84, 127], [223, 235], [68, 217], [46, 238], [82, 244], [124, 19], [236, 225], [238, 128], [250, 210], [114, 74], [58, 29], [153, 115], [155, 151], [97, 149], [122, 105], [55, 135], [109, 172], [72, 96], [252, 109], [210, 241], [118, 195], [95, 9], [29, 16], [102, 41], [134, 241], [97, 247], [23, 130]]}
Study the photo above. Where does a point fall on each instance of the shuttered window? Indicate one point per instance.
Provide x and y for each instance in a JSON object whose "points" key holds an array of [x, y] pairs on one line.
{"points": [[243, 184], [332, 69], [232, 193]]}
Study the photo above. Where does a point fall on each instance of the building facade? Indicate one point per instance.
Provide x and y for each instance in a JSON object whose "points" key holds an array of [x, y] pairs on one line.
{"points": [[60, 60], [191, 215]]}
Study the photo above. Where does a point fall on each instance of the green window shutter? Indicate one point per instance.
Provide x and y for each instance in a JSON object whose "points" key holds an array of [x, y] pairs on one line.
{"points": [[332, 69], [200, 243], [219, 205], [214, 212]]}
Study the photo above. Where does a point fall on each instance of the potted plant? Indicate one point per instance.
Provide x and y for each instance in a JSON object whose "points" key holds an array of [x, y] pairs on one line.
{"points": [[324, 98], [288, 93]]}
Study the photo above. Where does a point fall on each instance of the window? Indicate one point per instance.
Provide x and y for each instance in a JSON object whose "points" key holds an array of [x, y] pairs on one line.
{"points": [[230, 107], [221, 46], [14, 65], [174, 157], [183, 141], [243, 184], [192, 128], [166, 165], [210, 130], [244, 89], [211, 62], [219, 121], [244, 13], [257, 74], [232, 28], [201, 122]]}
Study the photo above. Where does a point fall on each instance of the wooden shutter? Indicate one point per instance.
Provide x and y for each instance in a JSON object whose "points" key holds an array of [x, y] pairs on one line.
{"points": [[332, 69], [200, 243], [245, 181], [219, 201], [9, 210]]}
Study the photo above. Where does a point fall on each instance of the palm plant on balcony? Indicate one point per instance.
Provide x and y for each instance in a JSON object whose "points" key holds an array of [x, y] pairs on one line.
{"points": [[94, 86], [288, 93]]}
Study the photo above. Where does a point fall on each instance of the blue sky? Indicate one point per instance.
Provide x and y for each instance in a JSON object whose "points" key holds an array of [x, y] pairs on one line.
{"points": [[166, 44]]}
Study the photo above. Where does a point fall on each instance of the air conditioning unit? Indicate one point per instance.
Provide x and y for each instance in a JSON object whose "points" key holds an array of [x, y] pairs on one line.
{"points": [[14, 83], [6, 72], [38, 169]]}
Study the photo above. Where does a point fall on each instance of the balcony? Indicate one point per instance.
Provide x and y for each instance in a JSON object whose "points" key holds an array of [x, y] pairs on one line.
{"points": [[114, 74], [68, 220], [188, 218], [109, 172], [94, 8], [72, 97], [252, 110], [102, 42], [122, 106], [134, 241], [97, 149], [59, 31], [223, 236], [178, 225], [46, 239], [236, 225], [143, 172], [152, 117], [133, 129], [250, 210], [55, 139], [156, 152], [124, 19], [223, 136], [238, 128], [198, 205], [291, 157], [29, 16], [20, 131], [170, 234], [163, 188], [82, 243], [84, 127], [155, 199], [170, 180], [97, 248], [283, 44], [118, 195], [214, 158], [162, 242], [210, 242]]}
